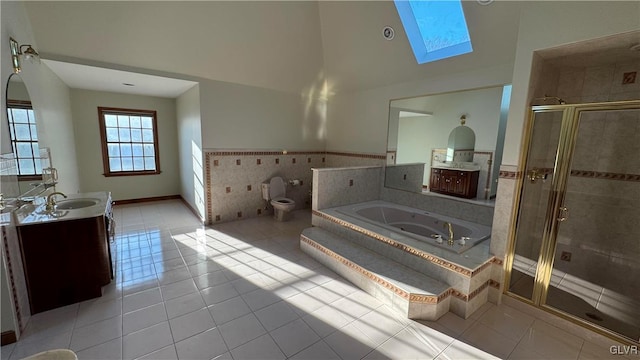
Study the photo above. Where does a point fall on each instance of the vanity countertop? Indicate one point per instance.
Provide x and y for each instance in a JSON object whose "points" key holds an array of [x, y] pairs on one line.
{"points": [[454, 168], [36, 214]]}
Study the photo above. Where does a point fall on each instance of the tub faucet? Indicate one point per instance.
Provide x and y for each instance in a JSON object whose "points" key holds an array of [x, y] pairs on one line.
{"points": [[51, 201], [450, 228]]}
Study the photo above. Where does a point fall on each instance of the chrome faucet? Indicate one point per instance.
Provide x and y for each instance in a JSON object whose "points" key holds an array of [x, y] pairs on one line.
{"points": [[450, 228], [51, 201]]}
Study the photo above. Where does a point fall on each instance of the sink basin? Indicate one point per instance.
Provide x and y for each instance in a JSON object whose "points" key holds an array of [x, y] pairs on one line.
{"points": [[73, 204]]}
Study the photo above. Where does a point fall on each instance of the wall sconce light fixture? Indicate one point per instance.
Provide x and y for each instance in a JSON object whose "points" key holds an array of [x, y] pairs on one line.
{"points": [[29, 54]]}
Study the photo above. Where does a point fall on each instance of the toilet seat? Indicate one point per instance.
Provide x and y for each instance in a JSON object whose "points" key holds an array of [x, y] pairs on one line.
{"points": [[283, 203], [283, 200]]}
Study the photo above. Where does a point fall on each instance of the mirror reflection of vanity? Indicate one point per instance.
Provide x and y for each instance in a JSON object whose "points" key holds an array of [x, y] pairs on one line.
{"points": [[458, 137]]}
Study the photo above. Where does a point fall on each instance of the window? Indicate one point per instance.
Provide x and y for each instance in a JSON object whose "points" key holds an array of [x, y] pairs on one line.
{"points": [[129, 142], [436, 29], [24, 139]]}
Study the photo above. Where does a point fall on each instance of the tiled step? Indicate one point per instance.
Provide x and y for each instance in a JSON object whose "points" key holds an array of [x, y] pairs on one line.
{"points": [[414, 294]]}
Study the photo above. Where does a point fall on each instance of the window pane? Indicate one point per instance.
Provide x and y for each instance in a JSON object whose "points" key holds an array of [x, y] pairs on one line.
{"points": [[13, 133], [112, 134], [148, 150], [146, 122], [32, 116], [20, 116], [125, 149], [124, 134], [110, 121], [123, 121], [137, 149], [130, 143], [38, 166], [136, 135], [149, 163], [127, 164], [24, 150], [147, 135], [114, 164], [135, 122], [113, 150], [34, 132], [26, 167], [36, 149], [22, 132], [138, 163]]}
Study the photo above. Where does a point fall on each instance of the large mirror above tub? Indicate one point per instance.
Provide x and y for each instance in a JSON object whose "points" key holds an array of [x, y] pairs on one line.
{"points": [[448, 144]]}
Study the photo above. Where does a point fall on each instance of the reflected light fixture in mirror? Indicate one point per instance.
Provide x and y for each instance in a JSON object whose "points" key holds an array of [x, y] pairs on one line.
{"points": [[17, 52]]}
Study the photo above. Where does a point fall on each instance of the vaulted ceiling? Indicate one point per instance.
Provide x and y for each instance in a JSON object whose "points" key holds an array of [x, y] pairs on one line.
{"points": [[289, 46]]}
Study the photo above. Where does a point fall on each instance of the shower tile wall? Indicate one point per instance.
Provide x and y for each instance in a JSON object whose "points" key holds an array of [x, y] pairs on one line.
{"points": [[599, 83], [599, 241], [604, 194], [544, 144]]}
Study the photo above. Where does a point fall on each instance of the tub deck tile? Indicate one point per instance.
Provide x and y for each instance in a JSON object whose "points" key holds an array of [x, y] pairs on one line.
{"points": [[377, 272]]}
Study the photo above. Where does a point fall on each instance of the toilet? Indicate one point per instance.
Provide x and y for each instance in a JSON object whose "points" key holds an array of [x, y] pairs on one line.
{"points": [[275, 192]]}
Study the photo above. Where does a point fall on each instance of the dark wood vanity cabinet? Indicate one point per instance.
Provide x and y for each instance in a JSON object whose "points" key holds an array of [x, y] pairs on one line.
{"points": [[65, 261], [460, 183]]}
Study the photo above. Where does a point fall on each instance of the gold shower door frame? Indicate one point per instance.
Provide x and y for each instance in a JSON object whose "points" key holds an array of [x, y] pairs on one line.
{"points": [[555, 205]]}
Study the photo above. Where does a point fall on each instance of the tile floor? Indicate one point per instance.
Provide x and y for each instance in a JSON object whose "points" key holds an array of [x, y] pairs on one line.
{"points": [[244, 290]]}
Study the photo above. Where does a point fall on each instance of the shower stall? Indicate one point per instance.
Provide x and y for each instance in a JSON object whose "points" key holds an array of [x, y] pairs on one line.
{"points": [[576, 249]]}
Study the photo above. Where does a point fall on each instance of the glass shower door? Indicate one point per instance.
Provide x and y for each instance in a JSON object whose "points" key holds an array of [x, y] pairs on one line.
{"points": [[596, 254], [544, 133]]}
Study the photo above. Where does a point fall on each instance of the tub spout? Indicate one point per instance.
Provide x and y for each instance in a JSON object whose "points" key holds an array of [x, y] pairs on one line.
{"points": [[450, 228]]}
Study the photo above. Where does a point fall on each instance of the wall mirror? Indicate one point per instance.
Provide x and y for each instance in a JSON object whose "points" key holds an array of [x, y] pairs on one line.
{"points": [[461, 130], [27, 160]]}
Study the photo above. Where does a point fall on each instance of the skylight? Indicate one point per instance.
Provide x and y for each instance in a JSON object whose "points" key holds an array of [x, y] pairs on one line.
{"points": [[436, 29]]}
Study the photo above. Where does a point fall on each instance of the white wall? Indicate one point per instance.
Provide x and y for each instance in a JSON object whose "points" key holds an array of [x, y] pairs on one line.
{"points": [[245, 117], [190, 150], [546, 24], [85, 105]]}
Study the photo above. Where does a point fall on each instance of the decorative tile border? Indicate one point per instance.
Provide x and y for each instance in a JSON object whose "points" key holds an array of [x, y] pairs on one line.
{"points": [[578, 173], [462, 296], [426, 256], [606, 175], [494, 284], [14, 291], [418, 298], [510, 174], [364, 156], [257, 153], [207, 162]]}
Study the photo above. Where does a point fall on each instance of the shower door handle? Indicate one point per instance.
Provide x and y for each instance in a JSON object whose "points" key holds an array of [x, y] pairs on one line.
{"points": [[563, 214]]}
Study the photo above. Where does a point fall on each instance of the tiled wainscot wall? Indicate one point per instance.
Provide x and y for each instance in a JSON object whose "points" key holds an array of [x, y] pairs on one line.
{"points": [[234, 178]]}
